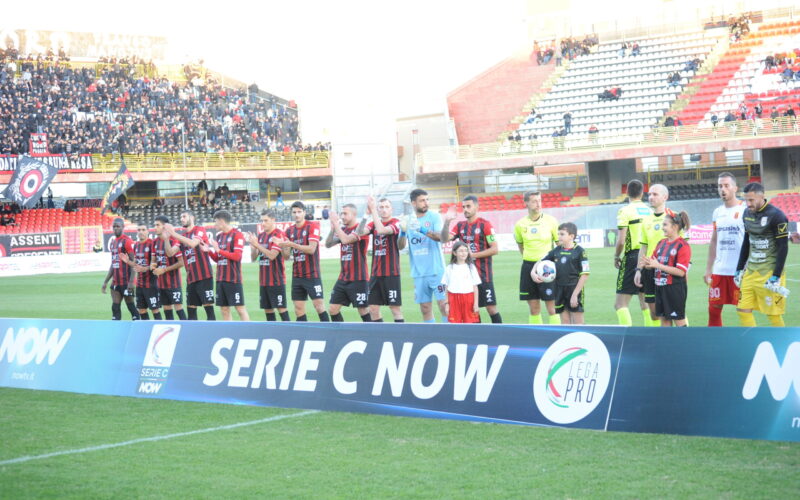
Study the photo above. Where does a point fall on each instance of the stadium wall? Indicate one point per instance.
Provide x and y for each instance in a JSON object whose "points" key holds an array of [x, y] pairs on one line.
{"points": [[604, 378]]}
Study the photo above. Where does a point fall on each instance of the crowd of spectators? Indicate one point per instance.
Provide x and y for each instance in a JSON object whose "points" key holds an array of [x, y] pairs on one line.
{"points": [[739, 26], [8, 214], [574, 47], [544, 52], [113, 108]]}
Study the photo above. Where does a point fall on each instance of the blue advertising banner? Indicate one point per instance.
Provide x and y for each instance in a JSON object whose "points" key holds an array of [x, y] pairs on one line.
{"points": [[729, 382]]}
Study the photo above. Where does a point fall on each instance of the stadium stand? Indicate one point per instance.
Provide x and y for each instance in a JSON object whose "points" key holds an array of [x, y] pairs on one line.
{"points": [[102, 107], [750, 72], [48, 220], [789, 203], [515, 202], [645, 94], [242, 213]]}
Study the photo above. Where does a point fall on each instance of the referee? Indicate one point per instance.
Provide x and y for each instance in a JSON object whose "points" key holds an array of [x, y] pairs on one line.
{"points": [[536, 234], [630, 221]]}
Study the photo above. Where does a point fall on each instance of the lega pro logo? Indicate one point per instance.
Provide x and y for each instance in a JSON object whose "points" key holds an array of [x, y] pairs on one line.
{"points": [[572, 377], [158, 358]]}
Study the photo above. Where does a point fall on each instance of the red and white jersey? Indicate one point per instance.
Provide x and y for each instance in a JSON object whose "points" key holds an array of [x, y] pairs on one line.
{"points": [[729, 227]]}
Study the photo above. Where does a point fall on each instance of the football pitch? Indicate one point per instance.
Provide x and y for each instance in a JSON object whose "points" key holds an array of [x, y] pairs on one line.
{"points": [[78, 446]]}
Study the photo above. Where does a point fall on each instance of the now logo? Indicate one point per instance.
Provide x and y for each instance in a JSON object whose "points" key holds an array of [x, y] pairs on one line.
{"points": [[33, 344], [780, 377]]}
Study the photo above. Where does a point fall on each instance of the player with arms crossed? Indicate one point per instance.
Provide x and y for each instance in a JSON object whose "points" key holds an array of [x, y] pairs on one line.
{"points": [[384, 284], [652, 234], [352, 286], [764, 250], [630, 221], [572, 271], [478, 234], [146, 281], [723, 251], [199, 276], [122, 275], [536, 234], [302, 243], [425, 254], [166, 264], [226, 250], [266, 250]]}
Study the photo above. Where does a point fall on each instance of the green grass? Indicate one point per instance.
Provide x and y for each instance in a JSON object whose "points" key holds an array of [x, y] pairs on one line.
{"points": [[342, 455]]}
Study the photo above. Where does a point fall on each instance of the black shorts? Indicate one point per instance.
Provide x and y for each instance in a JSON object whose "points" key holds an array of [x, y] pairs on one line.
{"points": [[272, 297], [627, 272], [350, 292], [486, 295], [649, 285], [122, 290], [563, 296], [200, 293], [147, 298], [229, 294], [307, 288], [170, 296], [385, 291], [671, 301], [530, 290]]}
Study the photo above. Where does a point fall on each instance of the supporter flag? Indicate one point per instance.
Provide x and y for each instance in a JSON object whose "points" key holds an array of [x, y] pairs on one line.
{"points": [[121, 183], [29, 181]]}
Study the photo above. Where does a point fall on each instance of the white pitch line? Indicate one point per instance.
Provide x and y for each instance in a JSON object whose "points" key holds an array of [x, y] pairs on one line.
{"points": [[153, 438]]}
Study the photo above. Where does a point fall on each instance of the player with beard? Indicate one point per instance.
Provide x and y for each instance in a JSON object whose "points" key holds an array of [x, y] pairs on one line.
{"points": [[724, 249], [384, 284], [146, 282], [166, 264], [478, 234], [352, 286], [122, 275], [199, 276], [226, 250]]}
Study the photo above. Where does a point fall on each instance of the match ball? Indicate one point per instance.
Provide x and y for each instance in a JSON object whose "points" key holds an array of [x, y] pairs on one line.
{"points": [[545, 270]]}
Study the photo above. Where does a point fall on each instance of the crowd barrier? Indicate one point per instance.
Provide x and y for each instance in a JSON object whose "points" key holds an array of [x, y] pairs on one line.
{"points": [[726, 382]]}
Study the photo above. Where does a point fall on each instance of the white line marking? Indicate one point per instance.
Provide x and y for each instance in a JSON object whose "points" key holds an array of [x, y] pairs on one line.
{"points": [[792, 279], [153, 438], [614, 387]]}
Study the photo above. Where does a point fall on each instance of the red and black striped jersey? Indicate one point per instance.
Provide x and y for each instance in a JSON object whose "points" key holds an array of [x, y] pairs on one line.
{"points": [[271, 272], [385, 251], [196, 261], [478, 235], [675, 253], [353, 257], [170, 279], [229, 256], [122, 271], [143, 252], [305, 265]]}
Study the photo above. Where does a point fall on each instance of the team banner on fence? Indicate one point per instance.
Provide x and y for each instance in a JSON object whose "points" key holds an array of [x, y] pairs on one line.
{"points": [[64, 163], [693, 381]]}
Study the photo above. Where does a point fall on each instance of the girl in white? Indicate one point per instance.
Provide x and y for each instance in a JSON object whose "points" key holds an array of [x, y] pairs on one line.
{"points": [[461, 280]]}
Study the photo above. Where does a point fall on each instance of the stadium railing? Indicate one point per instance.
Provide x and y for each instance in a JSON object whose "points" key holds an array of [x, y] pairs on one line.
{"points": [[686, 134], [158, 162]]}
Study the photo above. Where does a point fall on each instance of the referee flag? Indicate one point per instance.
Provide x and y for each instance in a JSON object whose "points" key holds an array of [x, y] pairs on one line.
{"points": [[29, 181], [121, 183]]}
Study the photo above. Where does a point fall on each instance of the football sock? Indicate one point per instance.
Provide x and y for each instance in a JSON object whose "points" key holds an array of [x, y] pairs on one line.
{"points": [[210, 315], [323, 316], [335, 317], [270, 316], [714, 316], [535, 319], [444, 319], [555, 319], [181, 314], [285, 316], [496, 318], [746, 319], [144, 316], [132, 309], [775, 320], [116, 312], [398, 320], [302, 318], [192, 314], [646, 317], [379, 320], [366, 318], [168, 314], [624, 317], [157, 315]]}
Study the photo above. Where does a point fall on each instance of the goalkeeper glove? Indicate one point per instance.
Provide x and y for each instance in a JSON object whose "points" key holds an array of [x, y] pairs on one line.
{"points": [[773, 284], [737, 278]]}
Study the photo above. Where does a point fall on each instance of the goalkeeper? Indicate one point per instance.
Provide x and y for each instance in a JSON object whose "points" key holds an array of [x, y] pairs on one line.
{"points": [[763, 283]]}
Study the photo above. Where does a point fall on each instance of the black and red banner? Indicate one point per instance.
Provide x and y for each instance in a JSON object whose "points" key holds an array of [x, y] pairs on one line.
{"points": [[64, 163]]}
